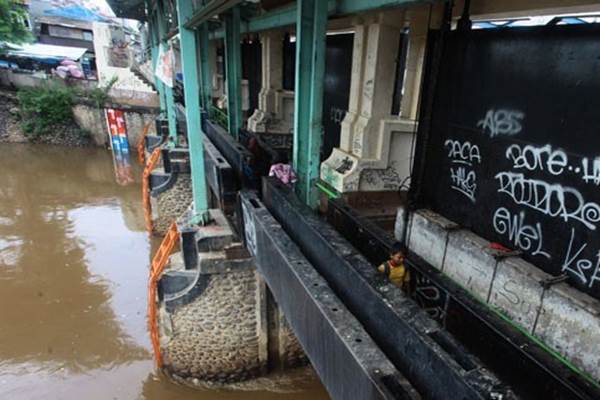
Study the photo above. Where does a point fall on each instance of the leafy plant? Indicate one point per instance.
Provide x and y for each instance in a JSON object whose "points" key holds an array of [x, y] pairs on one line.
{"points": [[13, 26], [99, 96], [45, 107]]}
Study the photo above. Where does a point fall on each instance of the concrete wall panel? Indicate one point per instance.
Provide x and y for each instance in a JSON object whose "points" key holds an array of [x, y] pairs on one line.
{"points": [[470, 262], [428, 234], [517, 291], [569, 322]]}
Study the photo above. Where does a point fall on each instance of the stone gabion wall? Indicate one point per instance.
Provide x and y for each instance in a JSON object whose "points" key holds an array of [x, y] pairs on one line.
{"points": [[291, 352], [215, 337], [171, 203]]}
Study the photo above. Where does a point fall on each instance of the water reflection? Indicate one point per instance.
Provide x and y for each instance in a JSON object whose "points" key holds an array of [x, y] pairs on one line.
{"points": [[73, 271], [56, 312]]}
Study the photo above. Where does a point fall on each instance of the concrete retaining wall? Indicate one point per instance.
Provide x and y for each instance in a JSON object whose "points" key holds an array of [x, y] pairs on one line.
{"points": [[93, 120], [566, 319], [218, 322]]}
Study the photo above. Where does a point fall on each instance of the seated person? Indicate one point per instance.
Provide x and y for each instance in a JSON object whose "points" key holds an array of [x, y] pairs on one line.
{"points": [[394, 268]]}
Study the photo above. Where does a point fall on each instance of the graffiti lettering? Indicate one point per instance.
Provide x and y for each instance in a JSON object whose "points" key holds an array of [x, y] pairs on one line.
{"points": [[429, 297], [553, 200], [579, 267], [526, 237], [463, 153], [464, 182], [542, 158], [510, 291], [591, 174], [501, 122]]}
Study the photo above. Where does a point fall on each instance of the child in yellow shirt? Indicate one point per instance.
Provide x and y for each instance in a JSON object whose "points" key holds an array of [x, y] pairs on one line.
{"points": [[395, 269]]}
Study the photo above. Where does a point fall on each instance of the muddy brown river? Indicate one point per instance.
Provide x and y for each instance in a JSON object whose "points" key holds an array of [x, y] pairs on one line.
{"points": [[74, 259]]}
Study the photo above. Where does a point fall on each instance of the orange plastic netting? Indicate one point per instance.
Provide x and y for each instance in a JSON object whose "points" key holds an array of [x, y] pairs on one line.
{"points": [[159, 261], [152, 161], [140, 144]]}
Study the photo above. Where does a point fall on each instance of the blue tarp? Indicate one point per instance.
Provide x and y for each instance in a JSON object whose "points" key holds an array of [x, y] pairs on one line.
{"points": [[76, 12]]}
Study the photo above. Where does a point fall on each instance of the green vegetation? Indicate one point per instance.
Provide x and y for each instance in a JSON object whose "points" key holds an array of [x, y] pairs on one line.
{"points": [[99, 96], [45, 108], [13, 25]]}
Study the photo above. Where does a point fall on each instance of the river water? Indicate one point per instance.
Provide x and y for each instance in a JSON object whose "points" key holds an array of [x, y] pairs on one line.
{"points": [[74, 259]]}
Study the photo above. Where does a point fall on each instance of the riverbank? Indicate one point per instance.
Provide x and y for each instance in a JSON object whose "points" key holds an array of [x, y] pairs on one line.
{"points": [[11, 130]]}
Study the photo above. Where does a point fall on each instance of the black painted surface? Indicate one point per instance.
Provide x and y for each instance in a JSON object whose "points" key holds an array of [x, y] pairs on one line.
{"points": [[514, 152], [236, 155], [252, 70], [348, 362], [400, 70], [437, 365], [336, 89], [289, 63], [336, 84], [529, 369], [220, 177]]}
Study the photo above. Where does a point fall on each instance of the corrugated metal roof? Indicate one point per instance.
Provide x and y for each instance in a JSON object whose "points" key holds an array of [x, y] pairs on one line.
{"points": [[46, 51]]}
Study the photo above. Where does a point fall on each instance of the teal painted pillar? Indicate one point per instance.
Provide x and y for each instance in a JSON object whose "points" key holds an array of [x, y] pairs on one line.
{"points": [[205, 70], [168, 91], [153, 34], [189, 66], [311, 30], [233, 71]]}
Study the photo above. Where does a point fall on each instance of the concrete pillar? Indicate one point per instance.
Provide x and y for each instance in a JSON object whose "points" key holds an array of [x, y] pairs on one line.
{"points": [[417, 43], [273, 120], [269, 108], [372, 86], [374, 144]]}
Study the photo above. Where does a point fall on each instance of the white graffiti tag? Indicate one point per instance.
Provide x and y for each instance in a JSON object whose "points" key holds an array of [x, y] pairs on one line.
{"points": [[580, 267], [591, 171], [553, 200], [464, 182], [542, 158], [501, 122], [526, 237], [463, 152]]}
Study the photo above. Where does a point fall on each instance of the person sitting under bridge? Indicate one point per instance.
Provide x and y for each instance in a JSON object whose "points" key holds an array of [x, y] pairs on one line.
{"points": [[395, 269]]}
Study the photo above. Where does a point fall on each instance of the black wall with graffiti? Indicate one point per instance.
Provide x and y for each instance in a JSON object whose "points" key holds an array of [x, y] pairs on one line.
{"points": [[513, 152]]}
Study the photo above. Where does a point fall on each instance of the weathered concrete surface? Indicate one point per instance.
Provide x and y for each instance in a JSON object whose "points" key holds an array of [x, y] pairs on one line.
{"points": [[167, 206], [470, 262], [517, 292], [567, 320], [93, 120], [429, 233], [290, 350]]}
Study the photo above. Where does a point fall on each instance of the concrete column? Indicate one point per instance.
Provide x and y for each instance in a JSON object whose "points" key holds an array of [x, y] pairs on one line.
{"points": [[418, 26], [272, 73], [373, 145], [273, 120], [375, 89]]}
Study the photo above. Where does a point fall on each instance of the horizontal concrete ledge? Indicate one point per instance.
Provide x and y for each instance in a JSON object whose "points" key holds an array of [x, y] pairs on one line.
{"points": [[565, 319], [348, 362]]}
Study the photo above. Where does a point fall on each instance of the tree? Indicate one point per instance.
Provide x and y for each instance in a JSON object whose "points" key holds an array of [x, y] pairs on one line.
{"points": [[13, 22]]}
